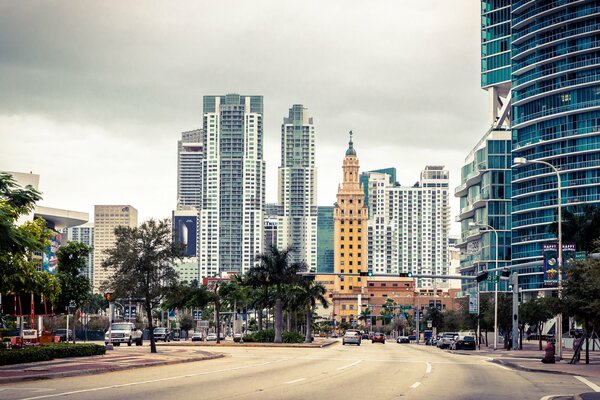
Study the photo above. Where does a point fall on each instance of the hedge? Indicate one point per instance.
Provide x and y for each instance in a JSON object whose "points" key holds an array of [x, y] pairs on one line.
{"points": [[49, 352], [268, 336]]}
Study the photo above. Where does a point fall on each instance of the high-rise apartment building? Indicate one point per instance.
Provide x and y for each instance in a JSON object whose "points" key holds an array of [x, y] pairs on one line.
{"points": [[325, 239], [189, 169], [364, 179], [231, 217], [556, 119], [271, 219], [84, 234], [408, 226], [297, 225], [106, 219], [349, 240]]}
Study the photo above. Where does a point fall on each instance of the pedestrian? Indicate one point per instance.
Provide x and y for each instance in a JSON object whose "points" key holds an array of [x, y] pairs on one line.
{"points": [[577, 345], [549, 353]]}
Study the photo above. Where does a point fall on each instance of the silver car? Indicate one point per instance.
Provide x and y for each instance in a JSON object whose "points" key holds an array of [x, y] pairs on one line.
{"points": [[351, 337]]}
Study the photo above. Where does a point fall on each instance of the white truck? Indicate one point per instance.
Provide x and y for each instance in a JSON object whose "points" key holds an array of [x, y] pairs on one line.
{"points": [[124, 332]]}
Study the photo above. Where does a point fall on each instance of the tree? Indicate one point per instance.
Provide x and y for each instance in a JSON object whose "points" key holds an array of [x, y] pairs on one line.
{"points": [[275, 270], [186, 323], [436, 316], [312, 293], [18, 266], [536, 312], [581, 225], [387, 311], [142, 260]]}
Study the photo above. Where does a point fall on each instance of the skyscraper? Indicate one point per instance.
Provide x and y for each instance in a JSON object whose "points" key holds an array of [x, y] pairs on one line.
{"points": [[189, 169], [233, 193], [84, 234], [408, 226], [106, 219], [556, 110], [349, 240], [297, 226], [325, 239]]}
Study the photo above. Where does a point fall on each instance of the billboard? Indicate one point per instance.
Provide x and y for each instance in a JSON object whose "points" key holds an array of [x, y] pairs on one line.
{"points": [[185, 229], [550, 255], [49, 260]]}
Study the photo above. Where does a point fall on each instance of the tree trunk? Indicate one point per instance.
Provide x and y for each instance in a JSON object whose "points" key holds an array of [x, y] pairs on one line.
{"points": [[278, 320], [260, 319], [150, 327], [218, 322], [587, 342], [540, 336], [308, 327], [289, 321]]}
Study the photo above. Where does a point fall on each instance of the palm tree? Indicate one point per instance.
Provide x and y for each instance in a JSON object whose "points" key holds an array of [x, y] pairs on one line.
{"points": [[275, 270], [311, 293]]}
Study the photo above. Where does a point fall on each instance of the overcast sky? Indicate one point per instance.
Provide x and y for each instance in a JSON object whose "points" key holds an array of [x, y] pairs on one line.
{"points": [[94, 95]]}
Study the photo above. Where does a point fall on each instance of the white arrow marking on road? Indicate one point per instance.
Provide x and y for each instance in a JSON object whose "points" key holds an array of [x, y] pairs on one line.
{"points": [[594, 387], [415, 385], [428, 370], [296, 380], [349, 365]]}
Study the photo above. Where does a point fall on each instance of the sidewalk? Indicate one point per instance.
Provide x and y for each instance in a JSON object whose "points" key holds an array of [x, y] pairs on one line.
{"points": [[114, 360], [529, 359]]}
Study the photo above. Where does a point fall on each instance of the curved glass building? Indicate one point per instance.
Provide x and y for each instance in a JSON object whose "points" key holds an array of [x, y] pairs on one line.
{"points": [[555, 74]]}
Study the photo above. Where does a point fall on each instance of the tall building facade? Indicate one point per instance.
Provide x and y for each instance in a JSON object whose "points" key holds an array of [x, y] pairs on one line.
{"points": [[325, 229], [408, 226], [233, 196], [485, 207], [84, 234], [297, 226], [349, 240], [556, 118], [271, 220], [189, 169], [106, 219], [364, 179]]}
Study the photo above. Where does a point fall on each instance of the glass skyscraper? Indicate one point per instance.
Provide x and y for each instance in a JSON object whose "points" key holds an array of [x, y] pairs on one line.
{"points": [[325, 239], [556, 118]]}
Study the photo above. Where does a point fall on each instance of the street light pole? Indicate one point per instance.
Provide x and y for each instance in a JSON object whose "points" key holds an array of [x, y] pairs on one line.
{"points": [[523, 161], [495, 282]]}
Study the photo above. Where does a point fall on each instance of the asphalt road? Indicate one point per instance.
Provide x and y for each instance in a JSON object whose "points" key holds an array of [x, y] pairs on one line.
{"points": [[371, 371]]}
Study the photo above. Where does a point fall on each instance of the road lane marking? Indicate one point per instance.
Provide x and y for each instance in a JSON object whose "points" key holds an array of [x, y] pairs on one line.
{"points": [[349, 365], [149, 381], [499, 366], [428, 370], [594, 387], [296, 380], [555, 396], [415, 385]]}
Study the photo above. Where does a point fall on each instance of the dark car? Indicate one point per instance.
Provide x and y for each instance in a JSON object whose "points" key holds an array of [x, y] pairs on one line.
{"points": [[402, 339], [412, 338], [366, 336], [464, 343], [161, 333], [378, 337], [62, 334]]}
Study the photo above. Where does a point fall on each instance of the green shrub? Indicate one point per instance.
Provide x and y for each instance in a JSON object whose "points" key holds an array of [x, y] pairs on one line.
{"points": [[49, 352], [292, 337], [266, 336]]}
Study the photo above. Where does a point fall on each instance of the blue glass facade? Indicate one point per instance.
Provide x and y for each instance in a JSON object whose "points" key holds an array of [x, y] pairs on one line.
{"points": [[495, 42], [325, 239], [556, 118]]}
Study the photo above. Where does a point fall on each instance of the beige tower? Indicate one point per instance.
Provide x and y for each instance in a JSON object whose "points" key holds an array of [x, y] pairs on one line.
{"points": [[349, 241], [106, 219]]}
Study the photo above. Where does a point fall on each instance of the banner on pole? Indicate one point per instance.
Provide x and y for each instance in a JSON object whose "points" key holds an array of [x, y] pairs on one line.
{"points": [[473, 303]]}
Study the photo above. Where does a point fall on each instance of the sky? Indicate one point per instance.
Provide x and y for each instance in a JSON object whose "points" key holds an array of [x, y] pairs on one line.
{"points": [[95, 95]]}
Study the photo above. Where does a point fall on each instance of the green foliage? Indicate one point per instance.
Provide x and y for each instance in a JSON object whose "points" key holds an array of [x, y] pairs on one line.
{"points": [[186, 322], [96, 302], [581, 295], [74, 285], [581, 225], [268, 335], [49, 352], [292, 337]]}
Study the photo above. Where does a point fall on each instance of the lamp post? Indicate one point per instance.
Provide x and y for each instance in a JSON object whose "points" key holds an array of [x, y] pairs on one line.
{"points": [[495, 282], [519, 161]]}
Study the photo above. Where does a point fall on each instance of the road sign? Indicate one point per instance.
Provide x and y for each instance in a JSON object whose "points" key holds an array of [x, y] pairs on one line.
{"points": [[429, 323], [492, 278], [406, 307], [129, 312], [197, 315], [203, 324]]}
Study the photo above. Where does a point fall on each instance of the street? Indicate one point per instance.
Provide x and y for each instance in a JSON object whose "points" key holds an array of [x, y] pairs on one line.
{"points": [[371, 371]]}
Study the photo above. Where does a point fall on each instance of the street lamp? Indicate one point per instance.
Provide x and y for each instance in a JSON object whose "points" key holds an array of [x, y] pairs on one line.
{"points": [[519, 161], [474, 224]]}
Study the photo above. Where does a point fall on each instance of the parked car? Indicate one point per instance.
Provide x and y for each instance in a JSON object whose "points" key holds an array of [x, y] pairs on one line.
{"points": [[162, 333], [351, 337], [62, 334], [378, 337], [365, 336], [124, 332], [211, 337], [412, 338], [464, 343], [402, 339], [431, 341], [197, 337], [334, 335]]}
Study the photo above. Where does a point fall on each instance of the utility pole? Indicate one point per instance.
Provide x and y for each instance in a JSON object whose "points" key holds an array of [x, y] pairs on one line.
{"points": [[514, 281]]}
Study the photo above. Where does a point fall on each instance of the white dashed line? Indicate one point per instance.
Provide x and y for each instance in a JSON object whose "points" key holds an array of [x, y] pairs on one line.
{"points": [[296, 380], [594, 387], [349, 365], [415, 385]]}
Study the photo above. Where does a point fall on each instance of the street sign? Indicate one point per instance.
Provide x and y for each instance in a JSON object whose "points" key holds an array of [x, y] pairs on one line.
{"points": [[203, 324], [429, 323], [492, 278], [197, 315], [405, 307], [129, 312]]}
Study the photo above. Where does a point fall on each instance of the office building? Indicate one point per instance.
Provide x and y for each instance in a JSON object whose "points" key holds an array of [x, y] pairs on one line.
{"points": [[556, 109], [349, 240], [84, 234], [297, 224], [408, 226], [325, 231], [106, 219], [233, 190], [189, 169]]}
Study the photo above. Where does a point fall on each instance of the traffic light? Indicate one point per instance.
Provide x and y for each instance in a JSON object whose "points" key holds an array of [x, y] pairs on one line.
{"points": [[405, 274], [482, 277], [370, 273], [506, 273], [363, 273], [108, 296]]}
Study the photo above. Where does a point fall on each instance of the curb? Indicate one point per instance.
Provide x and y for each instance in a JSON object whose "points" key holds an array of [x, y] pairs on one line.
{"points": [[252, 344], [527, 369], [92, 371]]}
